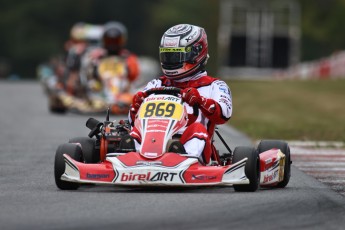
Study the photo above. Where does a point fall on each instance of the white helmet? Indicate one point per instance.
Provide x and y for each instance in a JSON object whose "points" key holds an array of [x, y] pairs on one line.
{"points": [[183, 51]]}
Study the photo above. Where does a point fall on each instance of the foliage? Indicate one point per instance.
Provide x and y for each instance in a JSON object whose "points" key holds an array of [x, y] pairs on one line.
{"points": [[322, 29], [34, 30]]}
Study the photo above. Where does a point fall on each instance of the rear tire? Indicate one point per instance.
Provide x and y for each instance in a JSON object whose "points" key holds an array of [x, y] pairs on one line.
{"points": [[74, 152], [252, 168], [284, 147], [56, 106], [90, 154]]}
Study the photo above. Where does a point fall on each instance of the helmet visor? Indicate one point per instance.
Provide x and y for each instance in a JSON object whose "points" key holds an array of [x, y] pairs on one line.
{"points": [[175, 55]]}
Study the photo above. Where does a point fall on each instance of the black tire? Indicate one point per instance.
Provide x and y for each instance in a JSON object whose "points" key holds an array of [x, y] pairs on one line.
{"points": [[252, 168], [284, 147], [56, 106], [57, 110], [73, 151], [90, 154]]}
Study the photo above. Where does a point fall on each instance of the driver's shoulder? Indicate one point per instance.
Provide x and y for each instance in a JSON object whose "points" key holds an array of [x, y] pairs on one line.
{"points": [[195, 83], [202, 81]]}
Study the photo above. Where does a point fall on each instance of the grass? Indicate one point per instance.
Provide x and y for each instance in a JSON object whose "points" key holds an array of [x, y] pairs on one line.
{"points": [[290, 109]]}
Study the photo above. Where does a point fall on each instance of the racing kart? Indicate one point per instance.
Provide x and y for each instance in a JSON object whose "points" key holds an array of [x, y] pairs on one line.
{"points": [[111, 90], [108, 155]]}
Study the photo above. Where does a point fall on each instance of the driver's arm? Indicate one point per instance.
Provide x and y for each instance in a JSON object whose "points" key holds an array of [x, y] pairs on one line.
{"points": [[216, 106], [221, 100]]}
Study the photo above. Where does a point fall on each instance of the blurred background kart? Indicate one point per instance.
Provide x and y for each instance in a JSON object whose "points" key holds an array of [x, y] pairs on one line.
{"points": [[97, 73]]}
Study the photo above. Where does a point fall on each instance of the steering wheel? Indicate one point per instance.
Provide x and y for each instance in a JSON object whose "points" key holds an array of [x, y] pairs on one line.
{"points": [[164, 90]]}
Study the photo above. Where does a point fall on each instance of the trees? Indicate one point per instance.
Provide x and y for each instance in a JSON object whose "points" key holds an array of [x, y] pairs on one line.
{"points": [[32, 31], [322, 28]]}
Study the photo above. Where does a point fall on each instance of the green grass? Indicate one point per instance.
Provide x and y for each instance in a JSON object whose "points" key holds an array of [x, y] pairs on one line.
{"points": [[289, 110]]}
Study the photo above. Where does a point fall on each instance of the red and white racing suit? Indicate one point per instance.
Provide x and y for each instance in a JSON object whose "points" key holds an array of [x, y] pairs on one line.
{"points": [[196, 137]]}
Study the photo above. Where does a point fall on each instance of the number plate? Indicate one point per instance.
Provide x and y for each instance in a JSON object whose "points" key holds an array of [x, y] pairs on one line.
{"points": [[111, 67], [161, 109]]}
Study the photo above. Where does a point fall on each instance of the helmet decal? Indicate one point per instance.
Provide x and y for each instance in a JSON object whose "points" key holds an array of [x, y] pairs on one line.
{"points": [[171, 41], [179, 29]]}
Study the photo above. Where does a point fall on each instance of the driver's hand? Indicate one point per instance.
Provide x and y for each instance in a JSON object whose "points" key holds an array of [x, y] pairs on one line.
{"points": [[138, 98], [191, 96]]}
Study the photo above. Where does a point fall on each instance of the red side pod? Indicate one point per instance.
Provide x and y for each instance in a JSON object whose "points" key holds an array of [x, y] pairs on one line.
{"points": [[204, 174], [102, 172], [268, 159]]}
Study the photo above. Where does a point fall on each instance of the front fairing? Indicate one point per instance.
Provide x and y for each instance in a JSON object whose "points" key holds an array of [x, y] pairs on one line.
{"points": [[159, 118]]}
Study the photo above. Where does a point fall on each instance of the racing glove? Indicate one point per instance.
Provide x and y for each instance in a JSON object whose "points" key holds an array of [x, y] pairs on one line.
{"points": [[208, 106], [138, 98], [191, 96]]}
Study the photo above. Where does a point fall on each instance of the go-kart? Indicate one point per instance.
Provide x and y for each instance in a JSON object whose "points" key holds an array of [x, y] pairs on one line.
{"points": [[108, 155], [111, 90]]}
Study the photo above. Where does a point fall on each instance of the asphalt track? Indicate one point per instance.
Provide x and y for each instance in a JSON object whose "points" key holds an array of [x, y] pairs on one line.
{"points": [[29, 198]]}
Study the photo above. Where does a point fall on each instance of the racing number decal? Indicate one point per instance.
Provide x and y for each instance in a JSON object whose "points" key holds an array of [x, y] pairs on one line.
{"points": [[161, 109]]}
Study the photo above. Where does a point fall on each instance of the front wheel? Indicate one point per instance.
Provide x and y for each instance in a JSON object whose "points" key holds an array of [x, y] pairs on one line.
{"points": [[88, 146], [74, 152], [284, 147], [252, 168]]}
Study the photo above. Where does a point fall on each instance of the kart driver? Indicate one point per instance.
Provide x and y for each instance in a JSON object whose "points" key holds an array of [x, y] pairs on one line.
{"points": [[183, 56], [82, 37], [113, 41]]}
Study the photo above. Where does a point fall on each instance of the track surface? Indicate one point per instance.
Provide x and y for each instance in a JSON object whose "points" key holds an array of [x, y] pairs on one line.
{"points": [[326, 163], [29, 198]]}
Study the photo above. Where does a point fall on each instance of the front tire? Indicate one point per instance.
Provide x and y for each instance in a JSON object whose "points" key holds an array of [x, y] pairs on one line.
{"points": [[74, 152], [252, 168], [90, 154], [284, 147]]}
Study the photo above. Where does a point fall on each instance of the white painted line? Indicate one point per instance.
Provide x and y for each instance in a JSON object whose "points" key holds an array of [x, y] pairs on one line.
{"points": [[323, 170], [304, 151], [333, 181], [321, 164], [334, 144]]}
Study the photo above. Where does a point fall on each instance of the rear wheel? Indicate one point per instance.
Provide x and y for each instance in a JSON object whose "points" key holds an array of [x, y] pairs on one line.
{"points": [[74, 152], [284, 147], [56, 106], [90, 154], [252, 168]]}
